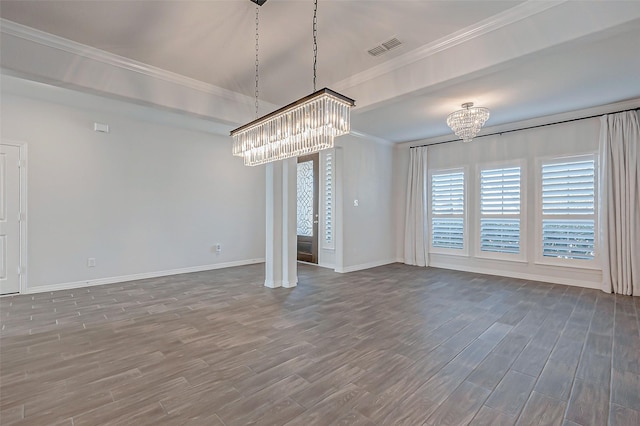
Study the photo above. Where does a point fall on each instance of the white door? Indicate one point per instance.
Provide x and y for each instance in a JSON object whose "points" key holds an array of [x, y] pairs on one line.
{"points": [[9, 219]]}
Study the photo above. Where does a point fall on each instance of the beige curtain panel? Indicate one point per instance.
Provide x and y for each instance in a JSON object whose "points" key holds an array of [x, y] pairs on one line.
{"points": [[416, 238], [620, 202]]}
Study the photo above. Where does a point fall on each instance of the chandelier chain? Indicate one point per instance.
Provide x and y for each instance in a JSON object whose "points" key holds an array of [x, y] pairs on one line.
{"points": [[315, 42], [257, 62]]}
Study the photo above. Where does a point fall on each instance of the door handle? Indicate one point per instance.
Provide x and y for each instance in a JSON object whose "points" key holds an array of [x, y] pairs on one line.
{"points": [[315, 221]]}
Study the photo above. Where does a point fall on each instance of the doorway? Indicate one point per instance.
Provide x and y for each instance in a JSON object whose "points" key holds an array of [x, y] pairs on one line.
{"points": [[11, 218], [307, 208]]}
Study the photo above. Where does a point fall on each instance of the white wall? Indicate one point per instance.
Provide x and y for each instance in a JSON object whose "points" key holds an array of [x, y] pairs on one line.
{"points": [[367, 231], [144, 199], [567, 139]]}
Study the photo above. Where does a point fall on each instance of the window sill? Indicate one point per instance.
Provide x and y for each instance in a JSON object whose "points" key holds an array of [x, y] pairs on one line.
{"points": [[515, 259], [572, 265], [455, 253]]}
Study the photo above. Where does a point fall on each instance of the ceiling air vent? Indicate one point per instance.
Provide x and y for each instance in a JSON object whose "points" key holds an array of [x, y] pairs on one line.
{"points": [[390, 44], [378, 50], [384, 47]]}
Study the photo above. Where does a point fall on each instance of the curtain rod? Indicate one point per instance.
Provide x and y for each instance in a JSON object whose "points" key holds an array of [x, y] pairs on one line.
{"points": [[530, 127]]}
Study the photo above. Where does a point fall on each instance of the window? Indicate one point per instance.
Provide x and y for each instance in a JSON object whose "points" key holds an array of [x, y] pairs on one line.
{"points": [[568, 209], [304, 201], [447, 210], [327, 200], [500, 210]]}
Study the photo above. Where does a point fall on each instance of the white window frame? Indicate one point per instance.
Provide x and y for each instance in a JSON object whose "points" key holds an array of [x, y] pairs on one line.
{"points": [[571, 263], [324, 244], [465, 228], [479, 253]]}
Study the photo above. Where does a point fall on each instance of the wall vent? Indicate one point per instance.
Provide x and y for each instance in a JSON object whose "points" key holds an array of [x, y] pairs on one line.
{"points": [[384, 47]]}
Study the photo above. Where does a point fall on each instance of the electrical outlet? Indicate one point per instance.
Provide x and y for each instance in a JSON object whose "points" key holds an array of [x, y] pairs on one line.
{"points": [[91, 262], [218, 248]]}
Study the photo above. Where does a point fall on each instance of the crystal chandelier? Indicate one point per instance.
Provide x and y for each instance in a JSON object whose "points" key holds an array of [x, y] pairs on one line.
{"points": [[305, 126], [467, 122]]}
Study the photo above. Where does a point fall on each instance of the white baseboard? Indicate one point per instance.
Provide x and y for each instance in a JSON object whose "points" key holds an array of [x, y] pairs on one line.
{"points": [[290, 284], [362, 266], [272, 284], [327, 265], [444, 265], [142, 276], [520, 275], [280, 284]]}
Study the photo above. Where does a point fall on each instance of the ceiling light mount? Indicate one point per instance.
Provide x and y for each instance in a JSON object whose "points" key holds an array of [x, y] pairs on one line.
{"points": [[305, 126], [467, 122]]}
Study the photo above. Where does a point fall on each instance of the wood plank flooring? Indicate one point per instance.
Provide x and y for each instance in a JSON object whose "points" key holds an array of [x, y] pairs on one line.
{"points": [[394, 345]]}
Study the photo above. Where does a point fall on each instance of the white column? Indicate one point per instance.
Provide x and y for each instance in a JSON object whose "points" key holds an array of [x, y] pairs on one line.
{"points": [[280, 248], [289, 219], [273, 248]]}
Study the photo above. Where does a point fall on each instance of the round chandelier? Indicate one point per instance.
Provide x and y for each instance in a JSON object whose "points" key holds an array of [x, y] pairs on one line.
{"points": [[467, 122]]}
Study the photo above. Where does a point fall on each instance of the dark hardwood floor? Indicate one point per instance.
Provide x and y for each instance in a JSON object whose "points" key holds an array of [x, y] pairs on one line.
{"points": [[387, 346]]}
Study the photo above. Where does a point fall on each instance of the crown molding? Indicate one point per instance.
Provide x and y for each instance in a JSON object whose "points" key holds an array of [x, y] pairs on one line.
{"points": [[75, 48], [376, 139], [509, 16], [532, 122]]}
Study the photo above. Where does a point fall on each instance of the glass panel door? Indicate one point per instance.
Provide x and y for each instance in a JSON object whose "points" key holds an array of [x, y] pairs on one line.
{"points": [[307, 208]]}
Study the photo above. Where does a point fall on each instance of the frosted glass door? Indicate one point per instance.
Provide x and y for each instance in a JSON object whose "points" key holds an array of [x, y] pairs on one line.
{"points": [[307, 208]]}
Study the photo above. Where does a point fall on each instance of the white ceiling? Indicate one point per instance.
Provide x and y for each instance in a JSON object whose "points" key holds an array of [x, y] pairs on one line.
{"points": [[520, 59]]}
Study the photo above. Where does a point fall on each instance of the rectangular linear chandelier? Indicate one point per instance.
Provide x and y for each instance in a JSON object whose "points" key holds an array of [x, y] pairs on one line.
{"points": [[305, 126]]}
